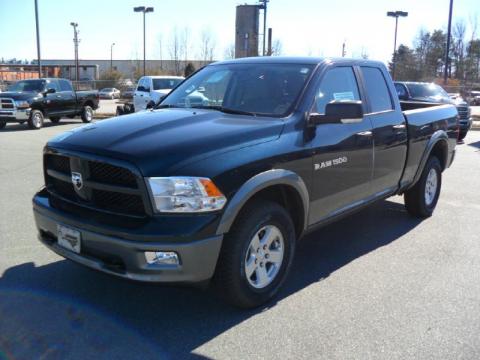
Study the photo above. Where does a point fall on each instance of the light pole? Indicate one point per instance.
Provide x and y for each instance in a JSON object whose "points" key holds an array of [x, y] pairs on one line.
{"points": [[396, 15], [144, 10], [38, 41], [447, 50], [111, 57], [264, 7], [75, 42]]}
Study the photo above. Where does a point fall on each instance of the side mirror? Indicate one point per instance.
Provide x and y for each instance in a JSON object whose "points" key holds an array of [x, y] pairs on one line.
{"points": [[150, 104], [336, 111], [50, 91]]}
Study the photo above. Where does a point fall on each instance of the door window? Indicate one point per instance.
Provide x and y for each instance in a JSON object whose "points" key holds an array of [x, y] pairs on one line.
{"points": [[141, 85], [338, 84], [52, 84], [377, 90]]}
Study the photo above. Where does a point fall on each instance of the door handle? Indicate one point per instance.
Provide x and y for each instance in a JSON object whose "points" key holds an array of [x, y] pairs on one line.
{"points": [[399, 126], [365, 133]]}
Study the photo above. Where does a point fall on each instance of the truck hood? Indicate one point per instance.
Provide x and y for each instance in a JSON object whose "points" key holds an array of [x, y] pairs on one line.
{"points": [[160, 141], [20, 95]]}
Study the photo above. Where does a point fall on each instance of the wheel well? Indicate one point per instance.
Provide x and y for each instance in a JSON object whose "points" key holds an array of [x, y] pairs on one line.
{"points": [[88, 103], [287, 197], [440, 150]]}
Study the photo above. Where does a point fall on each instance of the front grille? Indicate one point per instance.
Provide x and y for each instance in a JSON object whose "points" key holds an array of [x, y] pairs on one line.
{"points": [[106, 187], [462, 113], [7, 104], [106, 173]]}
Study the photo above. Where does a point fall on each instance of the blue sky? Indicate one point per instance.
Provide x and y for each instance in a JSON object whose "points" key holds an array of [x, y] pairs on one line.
{"points": [[305, 27]]}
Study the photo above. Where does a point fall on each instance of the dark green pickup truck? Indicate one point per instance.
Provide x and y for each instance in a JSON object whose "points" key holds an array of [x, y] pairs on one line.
{"points": [[34, 100]]}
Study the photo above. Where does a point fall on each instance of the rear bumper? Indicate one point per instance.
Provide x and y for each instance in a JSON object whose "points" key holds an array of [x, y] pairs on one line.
{"points": [[125, 256], [14, 115]]}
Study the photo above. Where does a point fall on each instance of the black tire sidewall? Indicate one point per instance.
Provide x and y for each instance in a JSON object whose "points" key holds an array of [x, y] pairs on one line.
{"points": [[434, 163], [260, 215], [31, 123], [84, 114]]}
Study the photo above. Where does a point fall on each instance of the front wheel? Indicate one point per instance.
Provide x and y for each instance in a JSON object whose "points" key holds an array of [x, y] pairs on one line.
{"points": [[87, 114], [421, 199], [256, 255], [36, 120]]}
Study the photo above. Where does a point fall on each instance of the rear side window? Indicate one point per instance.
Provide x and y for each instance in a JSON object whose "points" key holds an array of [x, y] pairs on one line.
{"points": [[338, 84], [377, 89], [65, 85]]}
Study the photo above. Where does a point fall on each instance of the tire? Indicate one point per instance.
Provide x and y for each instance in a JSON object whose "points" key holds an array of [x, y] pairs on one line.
{"points": [[231, 280], [87, 114], [55, 120], [119, 111], [3, 124], [421, 199], [36, 120], [462, 135]]}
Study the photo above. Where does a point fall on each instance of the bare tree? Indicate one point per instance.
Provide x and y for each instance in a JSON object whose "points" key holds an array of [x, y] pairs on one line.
{"points": [[207, 43], [185, 42], [277, 47], [175, 50], [364, 53], [229, 52]]}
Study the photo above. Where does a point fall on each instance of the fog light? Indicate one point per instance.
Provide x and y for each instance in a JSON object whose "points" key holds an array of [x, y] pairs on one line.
{"points": [[162, 257]]}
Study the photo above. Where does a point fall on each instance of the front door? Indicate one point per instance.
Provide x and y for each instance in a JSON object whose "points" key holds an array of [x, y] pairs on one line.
{"points": [[342, 152], [53, 101]]}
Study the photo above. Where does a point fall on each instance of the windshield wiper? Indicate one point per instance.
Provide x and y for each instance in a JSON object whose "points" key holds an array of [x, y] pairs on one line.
{"points": [[223, 109]]}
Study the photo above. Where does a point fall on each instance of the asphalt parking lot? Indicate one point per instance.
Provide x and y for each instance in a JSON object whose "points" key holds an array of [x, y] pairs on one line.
{"points": [[376, 285]]}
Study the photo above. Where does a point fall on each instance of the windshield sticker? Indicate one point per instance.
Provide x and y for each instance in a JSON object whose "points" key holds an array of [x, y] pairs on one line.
{"points": [[347, 95]]}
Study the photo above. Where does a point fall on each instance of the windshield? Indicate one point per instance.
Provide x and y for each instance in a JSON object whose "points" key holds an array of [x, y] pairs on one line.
{"points": [[159, 84], [427, 91], [29, 86], [257, 89]]}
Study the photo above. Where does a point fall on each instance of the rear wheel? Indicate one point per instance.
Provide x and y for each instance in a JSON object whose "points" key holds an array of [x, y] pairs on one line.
{"points": [[422, 198], [462, 135], [87, 114], [256, 255], [36, 120], [119, 111], [55, 119]]}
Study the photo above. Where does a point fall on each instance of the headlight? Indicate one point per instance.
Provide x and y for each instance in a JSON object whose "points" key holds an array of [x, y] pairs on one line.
{"points": [[22, 104], [185, 194]]}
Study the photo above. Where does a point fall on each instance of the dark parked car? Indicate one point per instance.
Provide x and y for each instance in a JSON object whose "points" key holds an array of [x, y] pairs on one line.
{"points": [[433, 93], [224, 191], [34, 100]]}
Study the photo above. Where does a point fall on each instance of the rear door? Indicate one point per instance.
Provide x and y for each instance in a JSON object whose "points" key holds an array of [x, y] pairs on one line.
{"points": [[69, 100], [389, 130], [342, 152]]}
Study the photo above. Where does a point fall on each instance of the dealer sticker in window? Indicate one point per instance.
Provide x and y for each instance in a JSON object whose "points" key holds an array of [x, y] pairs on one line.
{"points": [[347, 95]]}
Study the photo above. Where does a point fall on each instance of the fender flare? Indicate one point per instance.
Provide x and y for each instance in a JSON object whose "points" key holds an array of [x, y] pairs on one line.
{"points": [[439, 135], [257, 183]]}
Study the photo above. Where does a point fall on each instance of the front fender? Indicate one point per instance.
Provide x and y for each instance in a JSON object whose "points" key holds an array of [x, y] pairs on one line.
{"points": [[258, 183]]}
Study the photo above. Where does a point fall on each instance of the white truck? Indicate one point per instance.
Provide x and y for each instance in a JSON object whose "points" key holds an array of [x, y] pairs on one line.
{"points": [[152, 88]]}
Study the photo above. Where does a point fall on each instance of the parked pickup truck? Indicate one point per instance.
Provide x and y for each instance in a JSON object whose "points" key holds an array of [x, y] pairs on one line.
{"points": [[433, 93], [222, 191], [34, 100]]}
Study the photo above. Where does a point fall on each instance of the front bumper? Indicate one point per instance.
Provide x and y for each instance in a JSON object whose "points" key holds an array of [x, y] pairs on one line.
{"points": [[123, 255], [14, 115], [465, 125]]}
